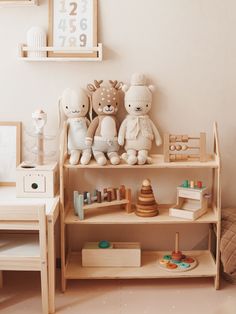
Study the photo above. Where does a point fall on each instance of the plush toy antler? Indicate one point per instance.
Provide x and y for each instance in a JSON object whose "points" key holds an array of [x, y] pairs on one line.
{"points": [[97, 84], [115, 84]]}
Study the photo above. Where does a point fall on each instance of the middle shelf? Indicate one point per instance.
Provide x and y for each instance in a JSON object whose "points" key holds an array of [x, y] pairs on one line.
{"points": [[115, 215]]}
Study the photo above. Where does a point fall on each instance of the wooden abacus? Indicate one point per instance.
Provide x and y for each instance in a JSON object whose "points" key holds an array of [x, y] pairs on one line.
{"points": [[175, 144], [109, 197]]}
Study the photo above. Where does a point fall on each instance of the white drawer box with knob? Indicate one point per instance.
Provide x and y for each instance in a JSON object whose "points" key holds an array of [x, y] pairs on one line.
{"points": [[37, 181]]}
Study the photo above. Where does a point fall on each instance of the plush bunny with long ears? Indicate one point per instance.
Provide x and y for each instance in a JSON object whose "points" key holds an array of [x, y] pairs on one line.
{"points": [[75, 106], [138, 131], [103, 130]]}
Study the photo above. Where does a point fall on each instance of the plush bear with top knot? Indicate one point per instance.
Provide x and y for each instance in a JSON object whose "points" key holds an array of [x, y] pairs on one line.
{"points": [[138, 131]]}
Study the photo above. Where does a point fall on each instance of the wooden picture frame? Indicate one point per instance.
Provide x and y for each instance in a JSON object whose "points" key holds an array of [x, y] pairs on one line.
{"points": [[72, 26], [10, 152]]}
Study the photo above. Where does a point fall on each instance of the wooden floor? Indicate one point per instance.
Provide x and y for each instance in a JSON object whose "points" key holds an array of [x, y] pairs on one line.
{"points": [[21, 295]]}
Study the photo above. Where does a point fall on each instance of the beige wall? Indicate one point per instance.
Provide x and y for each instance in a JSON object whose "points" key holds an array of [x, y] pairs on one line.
{"points": [[186, 47]]}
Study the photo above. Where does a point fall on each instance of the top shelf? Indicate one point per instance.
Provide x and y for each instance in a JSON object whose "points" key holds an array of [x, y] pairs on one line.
{"points": [[157, 163]]}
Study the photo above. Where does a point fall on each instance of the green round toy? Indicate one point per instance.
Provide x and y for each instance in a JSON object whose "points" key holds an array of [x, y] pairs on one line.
{"points": [[104, 244]]}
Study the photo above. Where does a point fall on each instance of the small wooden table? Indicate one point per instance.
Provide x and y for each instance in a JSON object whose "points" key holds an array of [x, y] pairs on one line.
{"points": [[8, 197]]}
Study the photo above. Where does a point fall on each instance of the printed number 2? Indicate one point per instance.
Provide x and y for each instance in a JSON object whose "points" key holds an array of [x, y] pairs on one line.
{"points": [[74, 8]]}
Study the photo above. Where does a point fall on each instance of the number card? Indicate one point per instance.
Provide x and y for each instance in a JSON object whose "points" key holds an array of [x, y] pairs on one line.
{"points": [[72, 23]]}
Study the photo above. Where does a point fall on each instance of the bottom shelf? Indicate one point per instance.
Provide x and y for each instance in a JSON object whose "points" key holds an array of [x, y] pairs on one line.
{"points": [[150, 267]]}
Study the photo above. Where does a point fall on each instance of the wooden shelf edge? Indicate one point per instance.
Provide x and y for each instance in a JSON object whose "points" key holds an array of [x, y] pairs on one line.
{"points": [[22, 50], [19, 3], [117, 216], [158, 163], [150, 267]]}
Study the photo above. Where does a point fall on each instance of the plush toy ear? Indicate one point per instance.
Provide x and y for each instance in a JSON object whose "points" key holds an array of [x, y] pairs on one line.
{"points": [[151, 88], [61, 115], [90, 108], [125, 88]]}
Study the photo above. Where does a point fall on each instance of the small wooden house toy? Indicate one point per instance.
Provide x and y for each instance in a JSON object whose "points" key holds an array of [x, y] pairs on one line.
{"points": [[192, 201], [114, 254], [37, 180]]}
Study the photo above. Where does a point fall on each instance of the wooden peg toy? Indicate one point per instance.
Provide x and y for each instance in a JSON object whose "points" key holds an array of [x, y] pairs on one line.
{"points": [[176, 254], [111, 197], [177, 261]]}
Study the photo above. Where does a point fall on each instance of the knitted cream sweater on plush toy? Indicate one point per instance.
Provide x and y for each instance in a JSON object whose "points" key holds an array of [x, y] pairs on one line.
{"points": [[138, 131]]}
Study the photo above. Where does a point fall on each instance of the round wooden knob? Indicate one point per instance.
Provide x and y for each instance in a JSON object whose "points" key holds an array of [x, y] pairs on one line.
{"points": [[146, 182]]}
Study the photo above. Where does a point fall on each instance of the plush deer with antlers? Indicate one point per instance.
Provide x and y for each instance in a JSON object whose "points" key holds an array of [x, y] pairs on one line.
{"points": [[102, 132]]}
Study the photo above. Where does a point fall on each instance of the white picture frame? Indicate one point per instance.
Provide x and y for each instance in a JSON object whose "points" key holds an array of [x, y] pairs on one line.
{"points": [[72, 26], [10, 152]]}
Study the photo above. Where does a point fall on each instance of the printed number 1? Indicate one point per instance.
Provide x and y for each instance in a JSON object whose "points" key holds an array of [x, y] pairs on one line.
{"points": [[63, 6]]}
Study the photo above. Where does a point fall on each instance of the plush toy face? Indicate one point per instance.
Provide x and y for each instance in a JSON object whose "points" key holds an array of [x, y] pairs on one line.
{"points": [[105, 99], [74, 104], [138, 97], [136, 108]]}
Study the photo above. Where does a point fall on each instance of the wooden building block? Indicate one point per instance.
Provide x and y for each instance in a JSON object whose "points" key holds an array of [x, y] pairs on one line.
{"points": [[119, 254], [37, 181], [191, 203]]}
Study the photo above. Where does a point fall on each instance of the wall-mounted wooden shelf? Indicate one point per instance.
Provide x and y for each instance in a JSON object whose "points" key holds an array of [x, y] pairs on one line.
{"points": [[23, 49], [19, 3]]}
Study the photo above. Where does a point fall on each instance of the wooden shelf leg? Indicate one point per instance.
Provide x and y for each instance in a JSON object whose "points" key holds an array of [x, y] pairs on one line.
{"points": [[128, 206], [44, 288], [217, 282], [1, 279]]}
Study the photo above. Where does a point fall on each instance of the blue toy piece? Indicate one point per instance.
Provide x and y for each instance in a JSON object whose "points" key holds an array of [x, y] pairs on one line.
{"points": [[76, 194], [104, 244], [89, 201], [167, 257], [80, 207], [184, 265]]}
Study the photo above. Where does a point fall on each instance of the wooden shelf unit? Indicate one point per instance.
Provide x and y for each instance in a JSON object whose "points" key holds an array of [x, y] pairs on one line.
{"points": [[209, 265]]}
